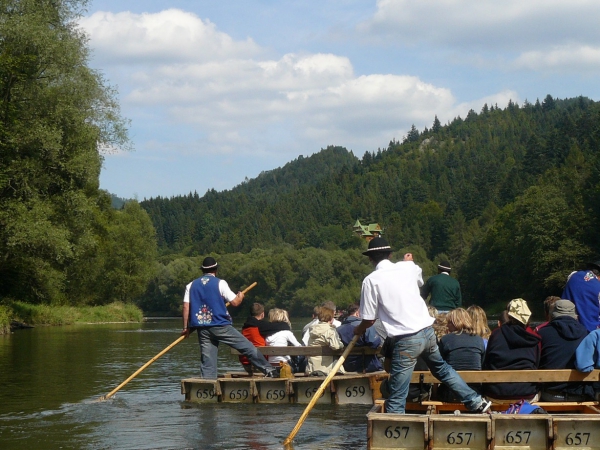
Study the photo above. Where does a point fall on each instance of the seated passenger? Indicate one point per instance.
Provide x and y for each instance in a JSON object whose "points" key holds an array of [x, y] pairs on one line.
{"points": [[359, 363], [282, 339], [255, 329], [480, 322], [314, 321], [461, 348], [323, 333], [513, 346], [306, 329], [587, 355], [560, 338]]}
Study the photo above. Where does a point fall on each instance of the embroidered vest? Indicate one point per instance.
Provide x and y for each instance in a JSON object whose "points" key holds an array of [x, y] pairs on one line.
{"points": [[207, 307]]}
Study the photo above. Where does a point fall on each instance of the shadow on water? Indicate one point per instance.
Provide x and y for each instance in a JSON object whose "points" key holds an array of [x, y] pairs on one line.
{"points": [[51, 378]]}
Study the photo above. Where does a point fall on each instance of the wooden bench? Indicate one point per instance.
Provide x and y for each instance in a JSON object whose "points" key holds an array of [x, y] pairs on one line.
{"points": [[311, 350]]}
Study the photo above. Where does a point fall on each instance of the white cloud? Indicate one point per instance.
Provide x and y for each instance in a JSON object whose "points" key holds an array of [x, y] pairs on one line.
{"points": [[512, 25], [171, 35], [564, 58], [230, 98]]}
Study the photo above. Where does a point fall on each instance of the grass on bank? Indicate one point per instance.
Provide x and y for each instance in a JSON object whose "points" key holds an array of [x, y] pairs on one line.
{"points": [[66, 315], [4, 320]]}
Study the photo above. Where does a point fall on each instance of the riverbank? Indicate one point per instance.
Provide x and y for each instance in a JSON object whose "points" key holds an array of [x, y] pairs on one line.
{"points": [[14, 312]]}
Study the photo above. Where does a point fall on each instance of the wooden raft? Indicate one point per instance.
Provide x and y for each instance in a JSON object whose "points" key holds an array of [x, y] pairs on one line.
{"points": [[439, 425]]}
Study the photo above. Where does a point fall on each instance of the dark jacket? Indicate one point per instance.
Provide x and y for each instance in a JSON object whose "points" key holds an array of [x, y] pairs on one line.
{"points": [[358, 363], [512, 347], [560, 339]]}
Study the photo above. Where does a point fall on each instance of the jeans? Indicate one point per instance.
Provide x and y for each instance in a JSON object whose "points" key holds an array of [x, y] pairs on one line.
{"points": [[404, 357], [209, 339]]}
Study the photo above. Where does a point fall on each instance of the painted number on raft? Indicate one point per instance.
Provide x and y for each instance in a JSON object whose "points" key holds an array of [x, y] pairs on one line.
{"points": [[205, 393], [517, 437], [275, 394], [239, 394], [577, 439], [355, 391], [397, 432], [459, 438], [311, 391]]}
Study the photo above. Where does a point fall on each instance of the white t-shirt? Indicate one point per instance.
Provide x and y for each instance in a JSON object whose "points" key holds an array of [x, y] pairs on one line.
{"points": [[281, 339], [224, 290], [391, 293]]}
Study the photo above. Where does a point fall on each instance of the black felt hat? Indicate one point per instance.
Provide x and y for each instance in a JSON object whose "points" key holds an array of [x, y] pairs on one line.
{"points": [[378, 245], [209, 264], [444, 266]]}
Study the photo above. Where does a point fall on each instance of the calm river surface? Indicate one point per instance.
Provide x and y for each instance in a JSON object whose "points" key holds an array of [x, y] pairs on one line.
{"points": [[50, 378]]}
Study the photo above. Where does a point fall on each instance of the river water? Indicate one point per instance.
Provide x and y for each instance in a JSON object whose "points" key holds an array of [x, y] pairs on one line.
{"points": [[51, 377]]}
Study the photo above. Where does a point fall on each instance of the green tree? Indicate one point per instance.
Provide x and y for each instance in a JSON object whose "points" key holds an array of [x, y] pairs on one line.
{"points": [[56, 115]]}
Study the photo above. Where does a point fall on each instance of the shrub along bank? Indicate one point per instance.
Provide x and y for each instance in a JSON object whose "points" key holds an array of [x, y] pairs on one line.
{"points": [[66, 315]]}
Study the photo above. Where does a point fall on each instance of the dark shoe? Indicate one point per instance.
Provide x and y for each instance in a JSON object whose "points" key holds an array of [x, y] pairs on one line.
{"points": [[272, 374], [483, 407]]}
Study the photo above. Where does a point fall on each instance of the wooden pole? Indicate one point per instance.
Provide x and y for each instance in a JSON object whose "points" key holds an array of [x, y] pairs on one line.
{"points": [[137, 372], [320, 391]]}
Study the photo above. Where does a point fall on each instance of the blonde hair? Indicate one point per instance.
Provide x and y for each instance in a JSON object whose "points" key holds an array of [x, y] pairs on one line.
{"points": [[480, 323], [440, 326], [279, 315], [461, 320], [432, 310], [325, 314]]}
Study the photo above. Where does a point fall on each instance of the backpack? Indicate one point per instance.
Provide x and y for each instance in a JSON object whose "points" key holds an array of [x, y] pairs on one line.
{"points": [[524, 407]]}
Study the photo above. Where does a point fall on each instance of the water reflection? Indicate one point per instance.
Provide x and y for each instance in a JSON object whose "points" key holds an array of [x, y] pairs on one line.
{"points": [[50, 379]]}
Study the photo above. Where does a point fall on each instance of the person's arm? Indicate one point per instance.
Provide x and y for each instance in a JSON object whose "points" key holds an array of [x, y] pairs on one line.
{"points": [[186, 313], [292, 339], [228, 295], [237, 299]]}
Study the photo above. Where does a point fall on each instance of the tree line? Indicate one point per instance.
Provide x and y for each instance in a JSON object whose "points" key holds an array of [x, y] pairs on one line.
{"points": [[508, 195]]}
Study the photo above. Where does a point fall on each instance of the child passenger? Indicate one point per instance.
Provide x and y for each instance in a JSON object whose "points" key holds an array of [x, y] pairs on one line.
{"points": [[282, 339], [323, 333]]}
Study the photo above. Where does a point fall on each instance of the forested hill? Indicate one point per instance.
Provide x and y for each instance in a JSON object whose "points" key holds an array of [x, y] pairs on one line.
{"points": [[504, 192]]}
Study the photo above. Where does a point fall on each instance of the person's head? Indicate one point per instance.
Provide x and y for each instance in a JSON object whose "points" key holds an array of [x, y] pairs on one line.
{"points": [[325, 314], [518, 311], [594, 267], [315, 313], [459, 320], [564, 308], [279, 315], [479, 320], [378, 250], [503, 318], [549, 304], [353, 310], [444, 266], [257, 310], [329, 304], [209, 265]]}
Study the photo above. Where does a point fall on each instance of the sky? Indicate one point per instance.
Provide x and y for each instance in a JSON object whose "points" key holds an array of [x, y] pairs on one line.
{"points": [[220, 91]]}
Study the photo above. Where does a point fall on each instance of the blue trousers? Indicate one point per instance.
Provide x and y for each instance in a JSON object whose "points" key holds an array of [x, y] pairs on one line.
{"points": [[404, 357], [209, 339]]}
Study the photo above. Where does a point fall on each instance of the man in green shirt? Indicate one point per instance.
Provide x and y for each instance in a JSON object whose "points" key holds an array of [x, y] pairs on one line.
{"points": [[444, 290]]}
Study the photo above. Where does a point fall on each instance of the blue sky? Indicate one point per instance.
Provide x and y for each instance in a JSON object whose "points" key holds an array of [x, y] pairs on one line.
{"points": [[217, 91]]}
